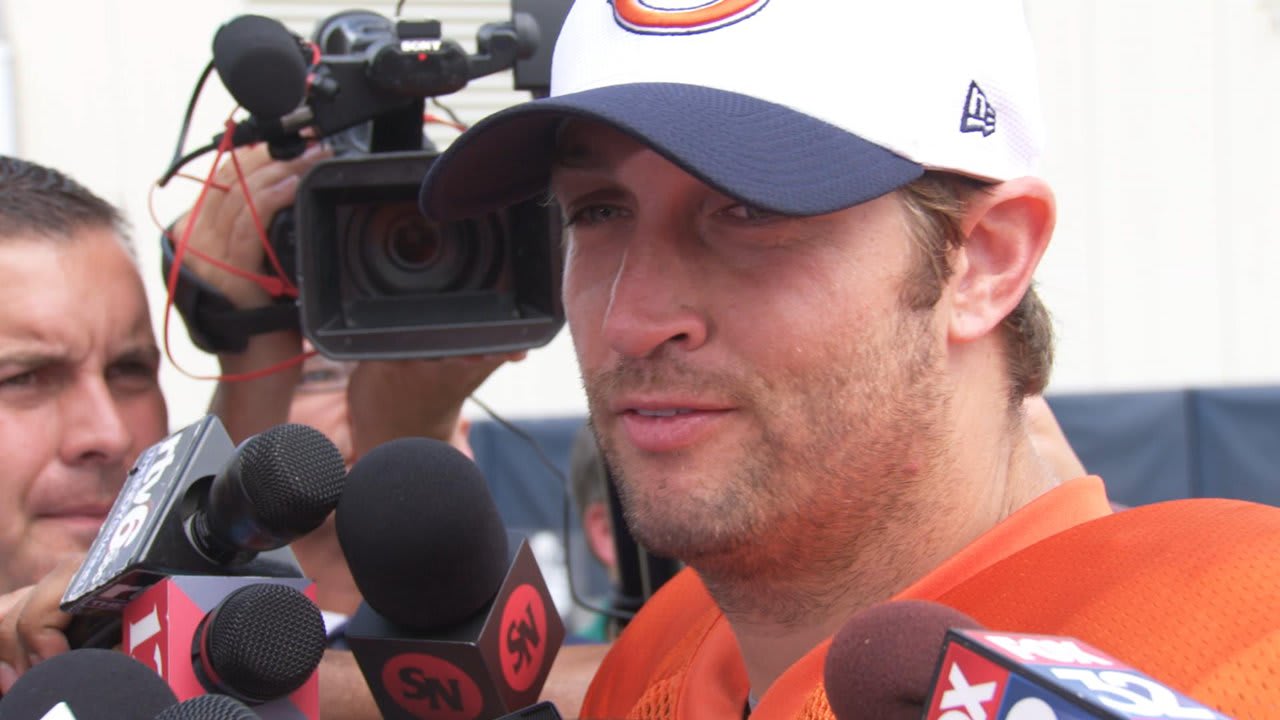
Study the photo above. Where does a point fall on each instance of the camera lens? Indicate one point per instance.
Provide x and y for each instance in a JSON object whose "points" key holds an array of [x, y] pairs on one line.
{"points": [[413, 245], [391, 249]]}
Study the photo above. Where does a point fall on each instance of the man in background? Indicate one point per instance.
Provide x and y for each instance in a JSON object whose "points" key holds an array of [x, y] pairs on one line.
{"points": [[79, 398], [589, 483]]}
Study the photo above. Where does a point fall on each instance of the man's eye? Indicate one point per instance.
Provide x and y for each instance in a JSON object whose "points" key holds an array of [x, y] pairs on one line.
{"points": [[132, 375], [32, 383], [593, 215], [749, 213], [325, 375], [132, 369], [21, 380]]}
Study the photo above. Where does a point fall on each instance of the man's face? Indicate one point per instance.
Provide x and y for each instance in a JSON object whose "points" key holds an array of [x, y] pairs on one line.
{"points": [[320, 400], [754, 380], [78, 393]]}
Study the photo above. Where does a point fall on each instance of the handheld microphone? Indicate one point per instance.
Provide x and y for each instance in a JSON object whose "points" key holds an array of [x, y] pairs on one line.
{"points": [[885, 663], [259, 640], [208, 707], [195, 504], [545, 710], [457, 621], [261, 64], [881, 663], [86, 684]]}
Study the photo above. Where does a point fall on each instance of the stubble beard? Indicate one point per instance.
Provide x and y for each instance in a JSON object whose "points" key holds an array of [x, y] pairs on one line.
{"points": [[808, 507]]}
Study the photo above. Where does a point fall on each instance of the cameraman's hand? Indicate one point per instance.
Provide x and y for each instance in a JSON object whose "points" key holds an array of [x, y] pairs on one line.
{"points": [[414, 398], [31, 625], [225, 230]]}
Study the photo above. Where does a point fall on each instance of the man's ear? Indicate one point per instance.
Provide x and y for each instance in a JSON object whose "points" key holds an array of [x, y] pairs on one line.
{"points": [[1006, 232], [597, 525]]}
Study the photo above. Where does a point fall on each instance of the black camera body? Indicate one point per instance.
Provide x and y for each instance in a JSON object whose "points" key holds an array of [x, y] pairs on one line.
{"points": [[376, 278]]}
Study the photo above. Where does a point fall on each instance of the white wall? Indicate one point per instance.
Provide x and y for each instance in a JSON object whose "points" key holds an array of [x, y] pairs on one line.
{"points": [[101, 86], [1163, 116], [8, 108]]}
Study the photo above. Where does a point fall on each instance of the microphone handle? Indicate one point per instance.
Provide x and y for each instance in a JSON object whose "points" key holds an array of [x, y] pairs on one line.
{"points": [[545, 710], [93, 631]]}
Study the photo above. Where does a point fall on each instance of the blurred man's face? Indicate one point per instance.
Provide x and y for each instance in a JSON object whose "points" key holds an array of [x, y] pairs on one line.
{"points": [[320, 400], [755, 381], [79, 399]]}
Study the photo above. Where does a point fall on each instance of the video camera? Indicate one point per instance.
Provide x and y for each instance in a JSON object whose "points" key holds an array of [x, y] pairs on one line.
{"points": [[376, 279]]}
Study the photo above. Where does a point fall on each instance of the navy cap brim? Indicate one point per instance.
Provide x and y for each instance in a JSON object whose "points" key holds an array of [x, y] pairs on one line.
{"points": [[760, 153]]}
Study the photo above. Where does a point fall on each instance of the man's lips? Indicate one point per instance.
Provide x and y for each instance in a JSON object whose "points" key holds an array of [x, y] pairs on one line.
{"points": [[77, 516], [665, 405], [668, 425], [82, 523], [98, 510]]}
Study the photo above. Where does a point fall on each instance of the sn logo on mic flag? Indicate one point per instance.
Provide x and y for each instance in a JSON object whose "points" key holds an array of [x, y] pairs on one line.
{"points": [[1011, 676]]}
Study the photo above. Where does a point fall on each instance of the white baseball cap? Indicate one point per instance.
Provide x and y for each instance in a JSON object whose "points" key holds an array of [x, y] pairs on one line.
{"points": [[800, 107]]}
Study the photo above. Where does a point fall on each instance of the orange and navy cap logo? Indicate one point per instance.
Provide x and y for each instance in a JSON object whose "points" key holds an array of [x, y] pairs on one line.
{"points": [[682, 17]]}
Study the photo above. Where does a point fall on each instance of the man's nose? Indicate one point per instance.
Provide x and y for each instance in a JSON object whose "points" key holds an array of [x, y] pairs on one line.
{"points": [[655, 298], [94, 429]]}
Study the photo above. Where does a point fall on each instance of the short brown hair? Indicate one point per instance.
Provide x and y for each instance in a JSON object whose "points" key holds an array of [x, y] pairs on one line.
{"points": [[935, 205], [38, 200]]}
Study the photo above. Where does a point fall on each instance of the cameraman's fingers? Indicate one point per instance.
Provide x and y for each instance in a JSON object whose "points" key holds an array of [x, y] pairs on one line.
{"points": [[32, 628], [472, 370], [10, 603], [260, 172], [221, 205], [268, 201], [250, 159], [272, 173], [272, 188], [10, 600], [41, 623], [515, 356]]}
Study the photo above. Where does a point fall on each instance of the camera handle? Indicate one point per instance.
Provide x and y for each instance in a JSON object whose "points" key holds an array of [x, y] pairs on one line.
{"points": [[214, 324]]}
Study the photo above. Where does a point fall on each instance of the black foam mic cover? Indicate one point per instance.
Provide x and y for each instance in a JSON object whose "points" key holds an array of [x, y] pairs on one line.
{"points": [[421, 575], [457, 621], [93, 684], [209, 707], [261, 64]]}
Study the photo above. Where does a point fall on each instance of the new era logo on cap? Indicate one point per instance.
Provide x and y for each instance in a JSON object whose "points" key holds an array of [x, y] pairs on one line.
{"points": [[683, 17], [979, 113]]}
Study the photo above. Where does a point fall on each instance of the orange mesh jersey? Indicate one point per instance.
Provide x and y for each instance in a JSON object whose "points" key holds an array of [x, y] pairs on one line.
{"points": [[1187, 591]]}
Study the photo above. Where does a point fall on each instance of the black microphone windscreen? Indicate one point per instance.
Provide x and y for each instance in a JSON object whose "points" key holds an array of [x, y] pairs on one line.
{"points": [[264, 640], [261, 64], [881, 663], [94, 684], [209, 707], [293, 475], [421, 534]]}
